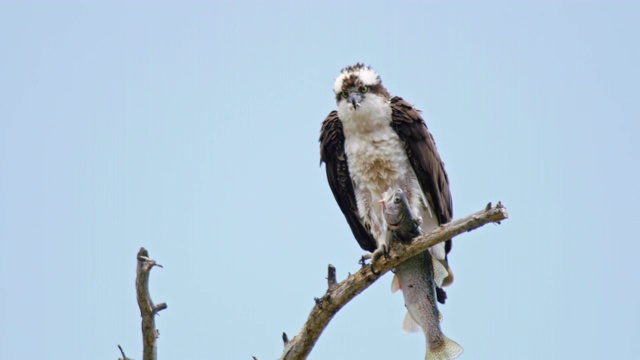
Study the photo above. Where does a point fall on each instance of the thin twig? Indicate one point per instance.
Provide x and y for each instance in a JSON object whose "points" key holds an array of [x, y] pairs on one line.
{"points": [[340, 294], [124, 357]]}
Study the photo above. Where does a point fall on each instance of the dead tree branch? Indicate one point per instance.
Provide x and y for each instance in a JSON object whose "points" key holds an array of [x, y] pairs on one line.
{"points": [[124, 357], [148, 309], [338, 295]]}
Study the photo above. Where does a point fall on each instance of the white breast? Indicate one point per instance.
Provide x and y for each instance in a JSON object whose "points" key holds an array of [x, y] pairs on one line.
{"points": [[377, 160], [376, 156]]}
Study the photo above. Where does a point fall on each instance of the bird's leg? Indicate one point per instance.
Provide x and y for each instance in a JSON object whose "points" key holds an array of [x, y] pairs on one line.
{"points": [[382, 251], [363, 263], [383, 246]]}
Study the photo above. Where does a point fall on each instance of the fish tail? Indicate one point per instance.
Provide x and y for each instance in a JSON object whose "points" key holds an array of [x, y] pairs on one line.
{"points": [[449, 350]]}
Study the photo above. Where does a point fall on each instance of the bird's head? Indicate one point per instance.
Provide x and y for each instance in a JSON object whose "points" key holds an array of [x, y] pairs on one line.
{"points": [[356, 84]]}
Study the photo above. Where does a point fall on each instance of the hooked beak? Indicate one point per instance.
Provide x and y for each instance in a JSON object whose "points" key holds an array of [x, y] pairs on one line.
{"points": [[354, 99]]}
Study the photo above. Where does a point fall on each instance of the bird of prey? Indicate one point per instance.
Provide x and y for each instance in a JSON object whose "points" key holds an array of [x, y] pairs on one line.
{"points": [[374, 142]]}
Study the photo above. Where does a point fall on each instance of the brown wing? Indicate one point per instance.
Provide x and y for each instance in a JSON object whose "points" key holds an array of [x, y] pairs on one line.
{"points": [[424, 158], [332, 154]]}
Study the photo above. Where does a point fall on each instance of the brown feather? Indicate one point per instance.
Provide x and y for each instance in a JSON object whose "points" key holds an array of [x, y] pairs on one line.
{"points": [[333, 155], [424, 158], [426, 163]]}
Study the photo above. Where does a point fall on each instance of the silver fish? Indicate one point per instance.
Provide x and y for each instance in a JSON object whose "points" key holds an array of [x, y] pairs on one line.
{"points": [[405, 226], [418, 278]]}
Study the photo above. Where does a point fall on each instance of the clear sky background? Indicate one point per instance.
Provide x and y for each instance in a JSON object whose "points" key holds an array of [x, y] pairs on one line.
{"points": [[192, 130]]}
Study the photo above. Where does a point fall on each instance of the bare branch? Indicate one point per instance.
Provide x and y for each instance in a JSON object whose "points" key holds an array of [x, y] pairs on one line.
{"points": [[331, 277], [340, 294], [148, 310]]}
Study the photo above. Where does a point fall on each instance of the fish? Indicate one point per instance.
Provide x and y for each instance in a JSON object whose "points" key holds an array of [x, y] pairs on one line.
{"points": [[401, 221], [418, 278], [405, 226]]}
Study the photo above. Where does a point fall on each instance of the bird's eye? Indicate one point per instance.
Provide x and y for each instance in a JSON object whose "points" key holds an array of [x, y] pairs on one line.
{"points": [[344, 94], [397, 200], [364, 89]]}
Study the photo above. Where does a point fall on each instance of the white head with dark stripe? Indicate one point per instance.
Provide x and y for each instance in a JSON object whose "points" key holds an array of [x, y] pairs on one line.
{"points": [[356, 84]]}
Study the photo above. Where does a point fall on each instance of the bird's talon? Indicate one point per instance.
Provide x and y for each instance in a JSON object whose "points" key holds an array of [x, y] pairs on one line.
{"points": [[373, 270], [385, 252]]}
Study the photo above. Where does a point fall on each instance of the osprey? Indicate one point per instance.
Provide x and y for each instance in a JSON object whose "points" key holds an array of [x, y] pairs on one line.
{"points": [[374, 142]]}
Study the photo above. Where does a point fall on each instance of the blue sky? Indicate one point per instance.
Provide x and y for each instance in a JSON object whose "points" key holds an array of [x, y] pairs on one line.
{"points": [[192, 130]]}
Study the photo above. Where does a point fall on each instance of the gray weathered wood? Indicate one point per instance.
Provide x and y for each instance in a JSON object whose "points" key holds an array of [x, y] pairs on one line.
{"points": [[148, 310]]}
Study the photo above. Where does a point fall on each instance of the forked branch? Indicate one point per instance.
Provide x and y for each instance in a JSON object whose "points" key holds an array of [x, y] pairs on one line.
{"points": [[148, 309]]}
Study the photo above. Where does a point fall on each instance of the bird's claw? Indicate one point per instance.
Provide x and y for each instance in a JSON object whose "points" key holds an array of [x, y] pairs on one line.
{"points": [[382, 251], [385, 252], [373, 270]]}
